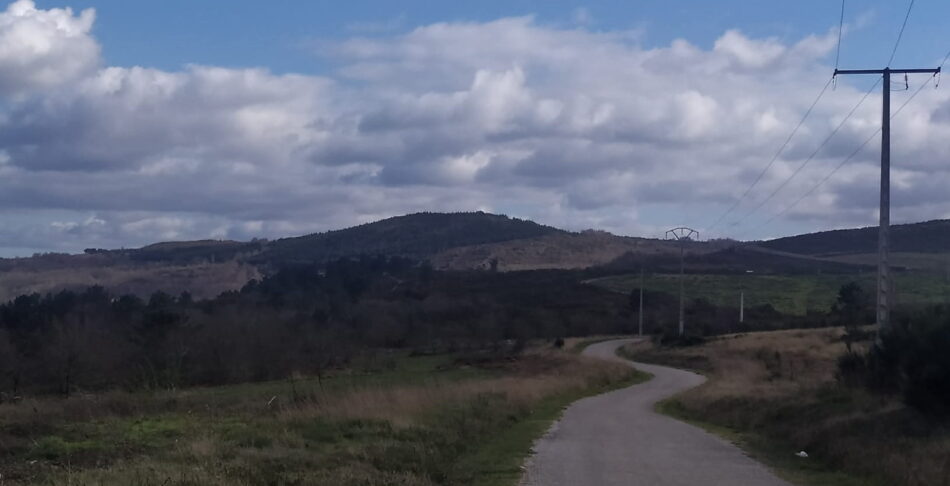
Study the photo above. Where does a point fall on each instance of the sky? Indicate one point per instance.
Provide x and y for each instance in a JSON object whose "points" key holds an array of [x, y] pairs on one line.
{"points": [[126, 123]]}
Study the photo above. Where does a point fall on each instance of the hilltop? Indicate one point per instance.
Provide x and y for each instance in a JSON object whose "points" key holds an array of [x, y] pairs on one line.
{"points": [[417, 236]]}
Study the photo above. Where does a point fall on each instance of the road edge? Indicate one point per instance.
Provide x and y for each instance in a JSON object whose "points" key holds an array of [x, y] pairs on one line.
{"points": [[755, 446]]}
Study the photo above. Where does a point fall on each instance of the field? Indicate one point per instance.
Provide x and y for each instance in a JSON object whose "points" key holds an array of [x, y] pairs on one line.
{"points": [[202, 280], [791, 294], [775, 393], [395, 420], [936, 263]]}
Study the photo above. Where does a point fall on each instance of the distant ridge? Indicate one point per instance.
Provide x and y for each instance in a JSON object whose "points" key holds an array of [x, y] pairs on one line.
{"points": [[927, 237], [419, 235]]}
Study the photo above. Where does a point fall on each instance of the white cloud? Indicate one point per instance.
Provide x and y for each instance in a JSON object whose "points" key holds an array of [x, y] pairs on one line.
{"points": [[572, 127], [42, 49]]}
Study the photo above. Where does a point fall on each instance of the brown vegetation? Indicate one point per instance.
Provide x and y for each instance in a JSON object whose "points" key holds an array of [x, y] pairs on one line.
{"points": [[555, 251], [202, 280], [781, 386]]}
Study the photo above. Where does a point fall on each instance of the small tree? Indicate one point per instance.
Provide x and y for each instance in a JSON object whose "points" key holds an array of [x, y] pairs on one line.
{"points": [[852, 310], [852, 306]]}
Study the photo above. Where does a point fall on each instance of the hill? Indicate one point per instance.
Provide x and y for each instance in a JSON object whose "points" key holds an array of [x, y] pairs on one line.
{"points": [[417, 236], [206, 268], [459, 241], [927, 237]]}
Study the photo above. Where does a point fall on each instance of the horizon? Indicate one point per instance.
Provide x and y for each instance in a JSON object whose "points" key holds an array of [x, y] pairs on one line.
{"points": [[128, 124], [579, 231]]}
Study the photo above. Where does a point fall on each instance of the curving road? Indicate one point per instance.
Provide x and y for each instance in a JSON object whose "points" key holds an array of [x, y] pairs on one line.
{"points": [[617, 439]]}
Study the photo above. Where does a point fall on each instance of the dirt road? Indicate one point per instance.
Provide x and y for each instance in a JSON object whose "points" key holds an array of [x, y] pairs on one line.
{"points": [[617, 439]]}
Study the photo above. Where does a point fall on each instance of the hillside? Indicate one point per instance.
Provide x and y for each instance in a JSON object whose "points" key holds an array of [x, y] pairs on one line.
{"points": [[201, 280], [553, 251], [926, 237], [419, 235], [206, 268]]}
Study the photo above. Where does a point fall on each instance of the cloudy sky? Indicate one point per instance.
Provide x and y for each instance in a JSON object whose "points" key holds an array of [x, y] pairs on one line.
{"points": [[124, 123]]}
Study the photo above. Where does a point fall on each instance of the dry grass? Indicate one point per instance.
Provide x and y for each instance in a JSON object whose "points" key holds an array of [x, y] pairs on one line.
{"points": [[404, 405], [203, 280], [365, 433], [782, 386]]}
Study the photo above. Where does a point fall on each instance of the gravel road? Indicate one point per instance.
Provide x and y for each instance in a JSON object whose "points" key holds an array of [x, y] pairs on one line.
{"points": [[617, 439]]}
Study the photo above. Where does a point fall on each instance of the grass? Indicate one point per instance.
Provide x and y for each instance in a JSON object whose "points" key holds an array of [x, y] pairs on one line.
{"points": [[417, 421], [789, 294], [775, 393]]}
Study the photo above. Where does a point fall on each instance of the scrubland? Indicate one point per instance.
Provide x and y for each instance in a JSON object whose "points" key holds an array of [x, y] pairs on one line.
{"points": [[777, 393], [428, 420], [202, 280]]}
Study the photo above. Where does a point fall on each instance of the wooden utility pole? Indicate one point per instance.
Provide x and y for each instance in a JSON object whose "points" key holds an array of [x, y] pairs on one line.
{"points": [[741, 307], [640, 315], [682, 235], [883, 237]]}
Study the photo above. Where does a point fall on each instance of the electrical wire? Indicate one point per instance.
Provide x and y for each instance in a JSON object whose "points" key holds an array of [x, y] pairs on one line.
{"points": [[771, 162], [810, 157], [901, 33], [841, 164]]}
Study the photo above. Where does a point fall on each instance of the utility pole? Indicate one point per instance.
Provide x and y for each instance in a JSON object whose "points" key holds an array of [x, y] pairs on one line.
{"points": [[741, 306], [682, 235], [884, 226], [640, 315]]}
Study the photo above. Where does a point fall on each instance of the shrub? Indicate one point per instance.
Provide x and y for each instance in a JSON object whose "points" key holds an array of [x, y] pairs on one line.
{"points": [[673, 338], [910, 359]]}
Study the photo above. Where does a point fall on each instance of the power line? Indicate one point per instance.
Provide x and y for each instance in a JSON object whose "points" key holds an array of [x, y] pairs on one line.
{"points": [[901, 33], [847, 159], [771, 162], [810, 157], [758, 179]]}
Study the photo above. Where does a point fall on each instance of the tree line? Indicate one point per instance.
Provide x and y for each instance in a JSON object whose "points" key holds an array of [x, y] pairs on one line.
{"points": [[302, 319]]}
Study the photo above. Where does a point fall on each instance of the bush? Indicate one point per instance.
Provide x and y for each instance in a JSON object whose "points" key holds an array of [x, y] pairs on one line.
{"points": [[919, 350], [911, 359], [852, 369], [673, 338]]}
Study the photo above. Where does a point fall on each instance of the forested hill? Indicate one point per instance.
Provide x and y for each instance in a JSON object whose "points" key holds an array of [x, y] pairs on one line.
{"points": [[926, 237], [419, 235]]}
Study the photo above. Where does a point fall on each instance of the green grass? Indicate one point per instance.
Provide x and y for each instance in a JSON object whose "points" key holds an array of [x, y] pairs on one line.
{"points": [[236, 417], [789, 294], [399, 369], [230, 435]]}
